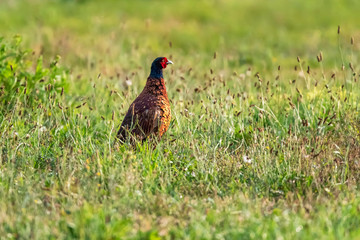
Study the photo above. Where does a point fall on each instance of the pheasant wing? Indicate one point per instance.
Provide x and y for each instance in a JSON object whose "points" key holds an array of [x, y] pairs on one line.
{"points": [[140, 121]]}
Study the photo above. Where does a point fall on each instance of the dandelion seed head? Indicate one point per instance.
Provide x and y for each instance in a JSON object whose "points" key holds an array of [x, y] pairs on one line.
{"points": [[301, 74], [242, 76], [128, 83], [228, 98], [246, 159]]}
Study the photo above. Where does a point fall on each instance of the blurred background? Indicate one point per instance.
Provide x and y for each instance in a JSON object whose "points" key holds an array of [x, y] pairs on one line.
{"points": [[253, 151], [126, 34]]}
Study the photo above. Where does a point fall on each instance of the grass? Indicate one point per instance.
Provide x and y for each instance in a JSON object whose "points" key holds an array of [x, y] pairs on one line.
{"points": [[264, 141]]}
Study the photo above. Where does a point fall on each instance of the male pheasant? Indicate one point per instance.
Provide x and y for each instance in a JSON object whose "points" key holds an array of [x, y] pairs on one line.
{"points": [[149, 114]]}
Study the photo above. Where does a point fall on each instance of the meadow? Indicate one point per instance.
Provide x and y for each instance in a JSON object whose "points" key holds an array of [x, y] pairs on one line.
{"points": [[264, 141]]}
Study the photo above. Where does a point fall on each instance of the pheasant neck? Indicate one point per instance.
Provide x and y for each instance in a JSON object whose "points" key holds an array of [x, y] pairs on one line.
{"points": [[156, 72], [155, 86]]}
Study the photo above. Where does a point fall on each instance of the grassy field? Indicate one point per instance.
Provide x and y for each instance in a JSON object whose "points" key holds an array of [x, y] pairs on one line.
{"points": [[264, 141]]}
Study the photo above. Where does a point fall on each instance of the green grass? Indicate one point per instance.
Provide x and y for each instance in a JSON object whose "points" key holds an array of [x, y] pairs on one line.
{"points": [[254, 151]]}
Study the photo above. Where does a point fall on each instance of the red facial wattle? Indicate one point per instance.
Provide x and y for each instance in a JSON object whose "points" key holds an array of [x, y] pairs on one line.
{"points": [[164, 62]]}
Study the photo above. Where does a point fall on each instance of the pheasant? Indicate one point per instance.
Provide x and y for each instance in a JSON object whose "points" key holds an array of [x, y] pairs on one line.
{"points": [[149, 114]]}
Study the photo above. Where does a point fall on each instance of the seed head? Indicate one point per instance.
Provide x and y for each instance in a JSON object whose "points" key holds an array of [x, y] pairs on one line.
{"points": [[351, 67]]}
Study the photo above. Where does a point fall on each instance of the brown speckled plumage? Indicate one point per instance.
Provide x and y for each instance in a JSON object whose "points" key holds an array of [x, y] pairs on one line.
{"points": [[149, 114]]}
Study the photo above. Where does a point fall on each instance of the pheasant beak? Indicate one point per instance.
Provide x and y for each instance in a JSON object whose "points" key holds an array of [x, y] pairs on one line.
{"points": [[169, 62]]}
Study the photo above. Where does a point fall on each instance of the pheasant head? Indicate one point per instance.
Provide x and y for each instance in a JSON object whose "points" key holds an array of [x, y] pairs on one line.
{"points": [[157, 67]]}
